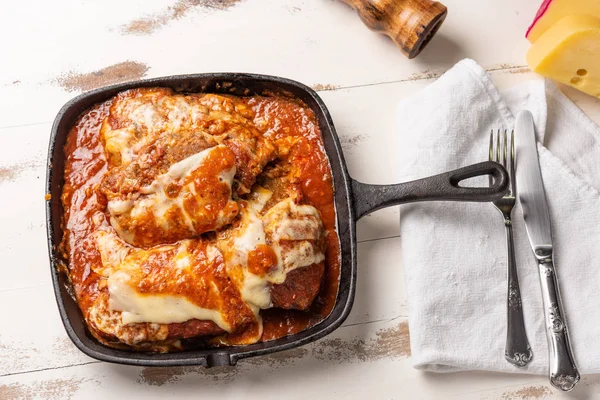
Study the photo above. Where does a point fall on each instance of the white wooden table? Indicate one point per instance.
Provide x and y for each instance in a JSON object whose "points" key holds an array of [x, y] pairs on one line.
{"points": [[52, 50]]}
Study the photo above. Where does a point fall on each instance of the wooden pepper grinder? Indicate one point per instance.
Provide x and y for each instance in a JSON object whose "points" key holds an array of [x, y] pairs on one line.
{"points": [[409, 23]]}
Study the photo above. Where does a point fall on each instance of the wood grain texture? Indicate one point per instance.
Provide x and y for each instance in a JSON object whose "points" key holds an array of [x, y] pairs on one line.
{"points": [[411, 24], [360, 75]]}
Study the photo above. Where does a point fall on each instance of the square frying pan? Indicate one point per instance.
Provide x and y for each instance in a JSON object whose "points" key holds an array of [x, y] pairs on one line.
{"points": [[352, 201]]}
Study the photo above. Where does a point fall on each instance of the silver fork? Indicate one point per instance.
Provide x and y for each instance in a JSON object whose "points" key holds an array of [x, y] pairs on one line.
{"points": [[517, 350]]}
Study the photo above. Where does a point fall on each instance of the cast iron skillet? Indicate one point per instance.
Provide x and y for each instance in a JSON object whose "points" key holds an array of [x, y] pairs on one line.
{"points": [[352, 200]]}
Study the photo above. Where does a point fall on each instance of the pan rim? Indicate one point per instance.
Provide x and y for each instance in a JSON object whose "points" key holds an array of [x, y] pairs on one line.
{"points": [[224, 355]]}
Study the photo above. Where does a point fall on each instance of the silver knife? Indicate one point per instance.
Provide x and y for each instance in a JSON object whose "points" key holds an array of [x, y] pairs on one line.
{"points": [[563, 371]]}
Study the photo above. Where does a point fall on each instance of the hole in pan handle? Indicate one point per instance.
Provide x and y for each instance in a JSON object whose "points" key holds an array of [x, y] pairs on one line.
{"points": [[443, 187]]}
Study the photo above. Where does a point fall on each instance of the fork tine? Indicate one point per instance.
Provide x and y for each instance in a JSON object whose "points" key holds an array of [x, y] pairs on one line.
{"points": [[492, 145], [491, 155], [513, 187], [498, 147], [504, 149]]}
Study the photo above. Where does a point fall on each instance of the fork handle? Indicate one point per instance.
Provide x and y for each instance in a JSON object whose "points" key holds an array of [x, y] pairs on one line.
{"points": [[517, 351]]}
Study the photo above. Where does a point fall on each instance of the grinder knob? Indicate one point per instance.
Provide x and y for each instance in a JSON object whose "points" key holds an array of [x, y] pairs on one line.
{"points": [[409, 23]]}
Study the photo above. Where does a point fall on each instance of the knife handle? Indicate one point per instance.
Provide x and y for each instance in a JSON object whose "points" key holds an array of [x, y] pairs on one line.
{"points": [[563, 371]]}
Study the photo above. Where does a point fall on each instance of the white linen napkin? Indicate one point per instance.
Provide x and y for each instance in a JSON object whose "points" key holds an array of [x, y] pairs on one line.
{"points": [[455, 255]]}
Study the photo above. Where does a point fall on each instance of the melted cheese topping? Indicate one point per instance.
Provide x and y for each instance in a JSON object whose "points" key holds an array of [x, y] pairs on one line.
{"points": [[107, 321], [154, 212], [255, 291], [293, 229], [250, 234], [148, 115], [178, 285], [160, 309], [117, 142], [142, 120], [112, 252], [127, 268]]}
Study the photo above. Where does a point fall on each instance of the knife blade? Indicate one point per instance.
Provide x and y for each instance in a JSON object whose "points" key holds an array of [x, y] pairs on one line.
{"points": [[531, 186], [562, 372]]}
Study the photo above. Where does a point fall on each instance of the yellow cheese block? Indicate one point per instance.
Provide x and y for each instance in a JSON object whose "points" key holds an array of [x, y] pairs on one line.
{"points": [[553, 10], [569, 52]]}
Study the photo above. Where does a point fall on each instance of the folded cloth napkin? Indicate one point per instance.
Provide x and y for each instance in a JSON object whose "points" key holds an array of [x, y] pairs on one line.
{"points": [[454, 254]]}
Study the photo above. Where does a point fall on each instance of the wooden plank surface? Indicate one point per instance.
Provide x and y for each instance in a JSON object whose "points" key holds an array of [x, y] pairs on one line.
{"points": [[52, 51]]}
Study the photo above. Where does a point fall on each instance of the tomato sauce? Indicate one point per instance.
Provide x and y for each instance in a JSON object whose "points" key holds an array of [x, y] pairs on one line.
{"points": [[281, 119], [85, 165], [290, 119]]}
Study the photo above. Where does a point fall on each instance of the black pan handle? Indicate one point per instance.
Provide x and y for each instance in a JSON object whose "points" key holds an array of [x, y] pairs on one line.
{"points": [[444, 187]]}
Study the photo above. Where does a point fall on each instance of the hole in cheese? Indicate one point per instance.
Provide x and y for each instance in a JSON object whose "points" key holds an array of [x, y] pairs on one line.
{"points": [[575, 80], [582, 72]]}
